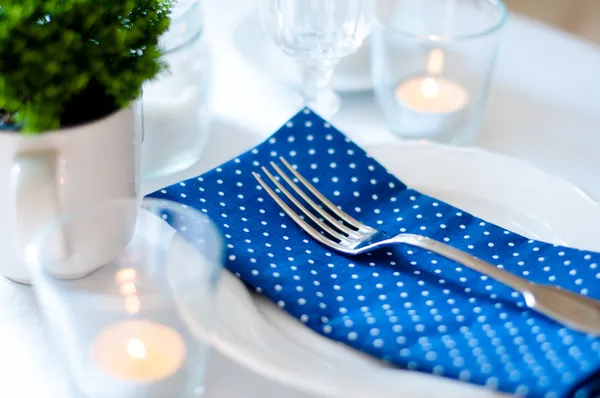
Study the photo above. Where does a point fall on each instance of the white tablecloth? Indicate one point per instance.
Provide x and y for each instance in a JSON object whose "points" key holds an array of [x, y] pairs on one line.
{"points": [[544, 107]]}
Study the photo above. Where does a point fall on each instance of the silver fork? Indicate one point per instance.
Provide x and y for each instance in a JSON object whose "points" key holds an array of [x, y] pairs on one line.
{"points": [[341, 232]]}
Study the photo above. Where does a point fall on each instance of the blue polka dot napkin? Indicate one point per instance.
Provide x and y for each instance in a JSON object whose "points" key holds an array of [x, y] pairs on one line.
{"points": [[404, 305]]}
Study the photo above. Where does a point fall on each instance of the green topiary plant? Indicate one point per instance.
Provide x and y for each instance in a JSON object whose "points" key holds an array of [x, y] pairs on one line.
{"points": [[67, 62]]}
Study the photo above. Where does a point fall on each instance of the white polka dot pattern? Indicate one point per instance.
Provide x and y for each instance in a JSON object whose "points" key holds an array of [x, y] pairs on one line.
{"points": [[404, 305]]}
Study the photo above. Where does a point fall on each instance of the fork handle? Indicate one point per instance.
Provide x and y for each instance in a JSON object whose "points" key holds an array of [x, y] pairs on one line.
{"points": [[465, 259], [574, 310]]}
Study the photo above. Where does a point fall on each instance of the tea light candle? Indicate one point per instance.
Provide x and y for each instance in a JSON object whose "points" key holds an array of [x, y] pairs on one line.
{"points": [[432, 95], [136, 358], [431, 102], [139, 351]]}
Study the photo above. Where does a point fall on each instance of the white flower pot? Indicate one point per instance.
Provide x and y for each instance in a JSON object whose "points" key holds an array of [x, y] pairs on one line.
{"points": [[63, 171]]}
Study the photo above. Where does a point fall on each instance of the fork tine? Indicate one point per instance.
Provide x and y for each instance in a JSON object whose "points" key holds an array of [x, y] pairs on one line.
{"points": [[333, 208], [303, 209], [312, 204], [297, 219]]}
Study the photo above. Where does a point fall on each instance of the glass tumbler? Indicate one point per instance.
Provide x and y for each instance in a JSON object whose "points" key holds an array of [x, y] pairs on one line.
{"points": [[432, 62], [136, 324], [176, 104]]}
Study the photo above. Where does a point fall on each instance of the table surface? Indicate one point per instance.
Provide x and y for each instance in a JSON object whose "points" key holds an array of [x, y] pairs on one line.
{"points": [[544, 107]]}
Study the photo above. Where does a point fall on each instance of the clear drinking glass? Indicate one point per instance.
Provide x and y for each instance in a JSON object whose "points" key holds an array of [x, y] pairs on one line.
{"points": [[432, 63], [317, 33], [176, 105], [136, 324]]}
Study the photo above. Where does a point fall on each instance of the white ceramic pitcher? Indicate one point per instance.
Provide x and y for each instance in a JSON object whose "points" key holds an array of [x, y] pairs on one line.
{"points": [[44, 176]]}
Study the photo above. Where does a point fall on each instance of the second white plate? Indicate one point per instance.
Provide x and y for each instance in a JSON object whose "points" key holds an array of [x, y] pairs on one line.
{"points": [[509, 192]]}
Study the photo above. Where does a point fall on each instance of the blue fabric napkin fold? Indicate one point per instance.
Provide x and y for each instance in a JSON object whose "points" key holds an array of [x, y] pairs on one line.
{"points": [[404, 305]]}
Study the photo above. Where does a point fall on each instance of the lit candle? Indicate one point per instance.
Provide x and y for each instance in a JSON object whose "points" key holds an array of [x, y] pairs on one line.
{"points": [[434, 95], [136, 358], [139, 358], [431, 101], [139, 351]]}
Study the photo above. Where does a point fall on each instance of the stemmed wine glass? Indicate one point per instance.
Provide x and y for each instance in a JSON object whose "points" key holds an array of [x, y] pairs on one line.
{"points": [[317, 33]]}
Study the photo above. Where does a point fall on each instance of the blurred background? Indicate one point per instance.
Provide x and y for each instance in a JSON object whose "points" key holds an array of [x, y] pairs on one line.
{"points": [[580, 17]]}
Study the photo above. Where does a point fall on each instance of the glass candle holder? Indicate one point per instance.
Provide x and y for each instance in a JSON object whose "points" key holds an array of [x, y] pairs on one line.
{"points": [[138, 325], [176, 104], [432, 62]]}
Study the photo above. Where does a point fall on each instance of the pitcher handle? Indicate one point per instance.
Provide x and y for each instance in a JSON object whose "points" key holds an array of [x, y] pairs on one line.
{"points": [[35, 186]]}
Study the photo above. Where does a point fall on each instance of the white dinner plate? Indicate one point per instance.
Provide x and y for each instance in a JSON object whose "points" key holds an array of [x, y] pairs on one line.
{"points": [[353, 73], [511, 193]]}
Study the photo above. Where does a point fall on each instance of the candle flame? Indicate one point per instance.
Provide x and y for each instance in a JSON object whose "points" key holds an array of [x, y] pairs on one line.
{"points": [[436, 61], [430, 88], [126, 275], [136, 348], [126, 279], [128, 289]]}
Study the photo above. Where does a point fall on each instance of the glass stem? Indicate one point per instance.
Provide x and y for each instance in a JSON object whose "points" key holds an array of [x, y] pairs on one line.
{"points": [[316, 77]]}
